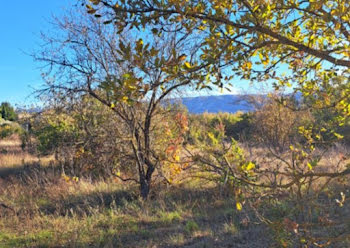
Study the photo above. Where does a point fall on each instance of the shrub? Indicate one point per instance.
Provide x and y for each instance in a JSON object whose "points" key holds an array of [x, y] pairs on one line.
{"points": [[275, 124], [7, 112], [237, 125], [9, 128]]}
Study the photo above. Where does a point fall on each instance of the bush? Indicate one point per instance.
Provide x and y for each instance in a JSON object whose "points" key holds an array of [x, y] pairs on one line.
{"points": [[7, 112], [82, 138], [237, 125], [276, 124], [8, 128]]}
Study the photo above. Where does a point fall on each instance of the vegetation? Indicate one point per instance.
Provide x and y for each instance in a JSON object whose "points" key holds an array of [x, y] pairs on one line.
{"points": [[7, 112], [7, 125], [114, 163]]}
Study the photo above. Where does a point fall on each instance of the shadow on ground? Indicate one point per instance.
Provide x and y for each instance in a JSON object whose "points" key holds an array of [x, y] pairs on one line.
{"points": [[203, 209]]}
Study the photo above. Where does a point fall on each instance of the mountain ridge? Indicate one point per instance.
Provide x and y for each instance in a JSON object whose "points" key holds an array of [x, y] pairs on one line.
{"points": [[215, 103]]}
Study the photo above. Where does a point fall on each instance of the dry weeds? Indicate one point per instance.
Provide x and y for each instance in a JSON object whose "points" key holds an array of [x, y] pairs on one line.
{"points": [[42, 208]]}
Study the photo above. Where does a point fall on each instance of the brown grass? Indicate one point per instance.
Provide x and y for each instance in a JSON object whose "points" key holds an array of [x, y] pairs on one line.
{"points": [[42, 208], [12, 155]]}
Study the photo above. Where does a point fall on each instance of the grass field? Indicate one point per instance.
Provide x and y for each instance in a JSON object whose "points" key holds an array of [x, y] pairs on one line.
{"points": [[41, 208]]}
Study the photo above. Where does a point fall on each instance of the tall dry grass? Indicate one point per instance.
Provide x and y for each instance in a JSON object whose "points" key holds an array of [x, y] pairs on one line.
{"points": [[12, 155]]}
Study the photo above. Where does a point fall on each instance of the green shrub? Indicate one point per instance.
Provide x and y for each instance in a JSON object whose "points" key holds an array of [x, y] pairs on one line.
{"points": [[9, 128], [237, 125], [7, 112]]}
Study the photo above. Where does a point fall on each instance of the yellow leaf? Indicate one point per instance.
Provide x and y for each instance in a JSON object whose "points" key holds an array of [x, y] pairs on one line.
{"points": [[339, 136], [249, 166], [66, 178], [247, 65], [265, 62], [230, 30], [261, 56], [238, 206], [187, 65]]}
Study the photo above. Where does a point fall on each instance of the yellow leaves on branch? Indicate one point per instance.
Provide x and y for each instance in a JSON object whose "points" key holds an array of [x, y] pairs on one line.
{"points": [[247, 66], [264, 59]]}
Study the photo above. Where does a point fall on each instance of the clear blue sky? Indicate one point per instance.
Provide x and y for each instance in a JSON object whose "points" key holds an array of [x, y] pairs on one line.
{"points": [[20, 25]]}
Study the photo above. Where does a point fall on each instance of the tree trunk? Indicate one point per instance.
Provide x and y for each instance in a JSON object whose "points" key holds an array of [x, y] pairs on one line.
{"points": [[146, 180], [145, 187]]}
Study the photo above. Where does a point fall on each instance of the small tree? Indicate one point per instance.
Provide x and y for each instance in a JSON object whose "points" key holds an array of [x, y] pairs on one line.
{"points": [[7, 112], [92, 59]]}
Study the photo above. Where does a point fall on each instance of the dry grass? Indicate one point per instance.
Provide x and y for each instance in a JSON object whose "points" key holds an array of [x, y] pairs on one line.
{"points": [[17, 159], [57, 213], [11, 154], [10, 142], [41, 208], [11, 160]]}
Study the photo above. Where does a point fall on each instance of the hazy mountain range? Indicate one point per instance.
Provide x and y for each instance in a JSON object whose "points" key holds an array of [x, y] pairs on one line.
{"points": [[201, 104], [215, 104]]}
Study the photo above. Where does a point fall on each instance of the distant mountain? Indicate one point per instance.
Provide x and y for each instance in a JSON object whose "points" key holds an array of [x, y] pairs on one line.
{"points": [[29, 110], [215, 104], [201, 104]]}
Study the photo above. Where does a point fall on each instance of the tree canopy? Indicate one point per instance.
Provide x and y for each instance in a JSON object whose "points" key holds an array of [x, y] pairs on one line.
{"points": [[289, 42]]}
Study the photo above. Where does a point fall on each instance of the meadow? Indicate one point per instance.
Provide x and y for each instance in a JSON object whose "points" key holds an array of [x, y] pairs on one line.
{"points": [[42, 208]]}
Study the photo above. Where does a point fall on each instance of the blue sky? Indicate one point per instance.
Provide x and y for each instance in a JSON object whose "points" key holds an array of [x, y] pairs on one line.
{"points": [[20, 25]]}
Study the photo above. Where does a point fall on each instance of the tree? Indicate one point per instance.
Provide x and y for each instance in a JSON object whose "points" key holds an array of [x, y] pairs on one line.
{"points": [[7, 112], [289, 43], [89, 58]]}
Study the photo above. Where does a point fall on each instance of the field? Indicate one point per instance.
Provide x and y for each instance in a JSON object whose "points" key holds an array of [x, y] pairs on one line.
{"points": [[41, 208]]}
